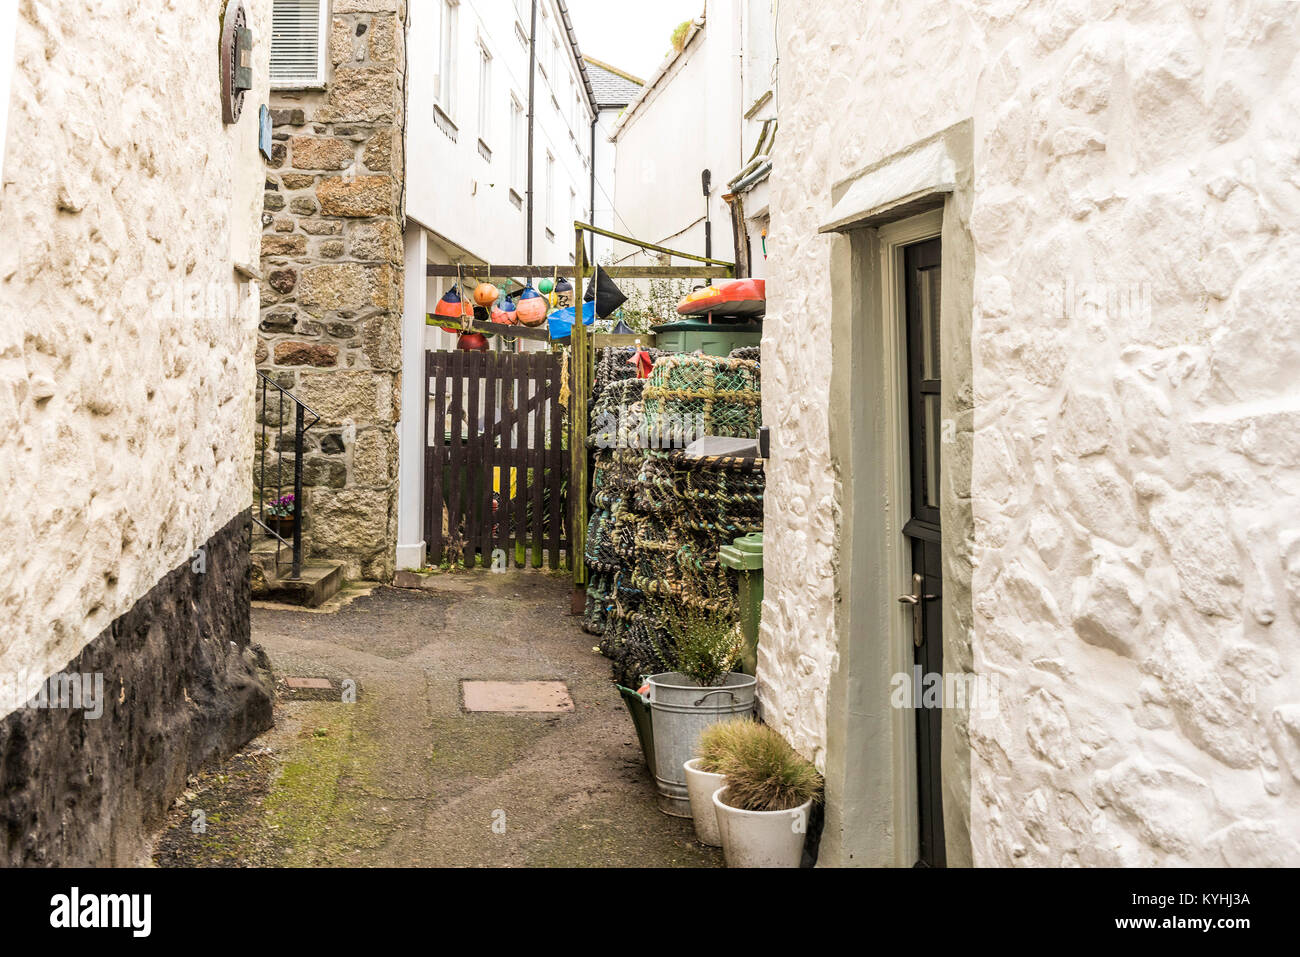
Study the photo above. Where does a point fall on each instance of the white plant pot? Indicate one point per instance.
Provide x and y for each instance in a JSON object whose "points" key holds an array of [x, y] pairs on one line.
{"points": [[761, 838], [701, 786]]}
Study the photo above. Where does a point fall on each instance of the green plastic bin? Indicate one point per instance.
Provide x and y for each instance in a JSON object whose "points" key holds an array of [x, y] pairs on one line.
{"points": [[713, 339], [746, 558]]}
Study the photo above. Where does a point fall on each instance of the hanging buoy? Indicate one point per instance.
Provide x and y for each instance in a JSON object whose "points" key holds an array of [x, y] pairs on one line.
{"points": [[451, 306], [546, 286], [506, 314], [532, 307], [472, 342], [486, 294]]}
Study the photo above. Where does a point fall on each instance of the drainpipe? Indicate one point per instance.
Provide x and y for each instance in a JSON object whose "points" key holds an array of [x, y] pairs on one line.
{"points": [[532, 107], [595, 119]]}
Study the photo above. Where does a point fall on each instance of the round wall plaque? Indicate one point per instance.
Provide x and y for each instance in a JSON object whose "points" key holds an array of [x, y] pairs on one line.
{"points": [[236, 61]]}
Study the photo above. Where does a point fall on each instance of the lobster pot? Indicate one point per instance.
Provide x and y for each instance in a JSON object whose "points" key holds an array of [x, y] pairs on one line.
{"points": [[681, 711], [689, 397]]}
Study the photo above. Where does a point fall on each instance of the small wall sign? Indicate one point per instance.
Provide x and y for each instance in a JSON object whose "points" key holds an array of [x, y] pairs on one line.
{"points": [[264, 137]]}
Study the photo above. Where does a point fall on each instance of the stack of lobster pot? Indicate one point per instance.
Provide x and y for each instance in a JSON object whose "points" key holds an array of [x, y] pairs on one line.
{"points": [[682, 510], [612, 440]]}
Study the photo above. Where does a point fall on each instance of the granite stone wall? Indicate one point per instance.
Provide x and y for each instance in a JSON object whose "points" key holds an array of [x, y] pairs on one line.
{"points": [[333, 278]]}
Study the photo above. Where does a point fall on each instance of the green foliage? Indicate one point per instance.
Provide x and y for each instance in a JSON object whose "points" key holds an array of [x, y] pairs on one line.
{"points": [[763, 772], [708, 641], [679, 35], [651, 302]]}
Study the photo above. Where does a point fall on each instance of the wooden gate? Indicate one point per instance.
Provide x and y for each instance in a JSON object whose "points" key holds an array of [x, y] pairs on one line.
{"points": [[496, 465]]}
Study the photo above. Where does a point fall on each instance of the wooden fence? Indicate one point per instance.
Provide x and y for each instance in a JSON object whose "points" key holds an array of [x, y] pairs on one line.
{"points": [[496, 462]]}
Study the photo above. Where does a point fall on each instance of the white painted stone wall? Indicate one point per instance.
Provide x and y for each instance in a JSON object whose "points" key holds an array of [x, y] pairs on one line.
{"points": [[1136, 467], [125, 406], [686, 120]]}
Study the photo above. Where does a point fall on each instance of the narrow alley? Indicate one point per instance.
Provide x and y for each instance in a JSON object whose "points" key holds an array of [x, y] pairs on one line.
{"points": [[405, 776]]}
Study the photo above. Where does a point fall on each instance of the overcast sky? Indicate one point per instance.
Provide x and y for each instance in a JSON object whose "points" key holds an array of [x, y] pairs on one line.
{"points": [[633, 35]]}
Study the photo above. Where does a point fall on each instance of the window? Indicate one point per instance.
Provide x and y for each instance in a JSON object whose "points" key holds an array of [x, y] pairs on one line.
{"points": [[524, 10], [484, 94], [760, 50], [555, 58], [298, 43], [445, 83], [518, 143], [573, 207], [550, 190]]}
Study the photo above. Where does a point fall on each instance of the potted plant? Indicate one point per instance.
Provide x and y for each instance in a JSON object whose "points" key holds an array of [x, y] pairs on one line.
{"points": [[706, 645], [281, 514], [763, 810], [705, 776]]}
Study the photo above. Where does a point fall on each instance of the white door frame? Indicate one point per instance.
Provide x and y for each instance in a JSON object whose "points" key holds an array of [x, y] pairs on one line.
{"points": [[893, 316]]}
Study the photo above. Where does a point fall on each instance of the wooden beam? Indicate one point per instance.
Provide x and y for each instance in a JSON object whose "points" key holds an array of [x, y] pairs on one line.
{"points": [[578, 363], [602, 340], [491, 273], [532, 334], [580, 227]]}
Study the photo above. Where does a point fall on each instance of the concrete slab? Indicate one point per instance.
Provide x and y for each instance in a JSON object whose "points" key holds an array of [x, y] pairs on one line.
{"points": [[517, 697], [309, 684]]}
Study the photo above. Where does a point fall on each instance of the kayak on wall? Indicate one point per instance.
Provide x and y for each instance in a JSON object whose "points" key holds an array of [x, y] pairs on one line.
{"points": [[742, 298]]}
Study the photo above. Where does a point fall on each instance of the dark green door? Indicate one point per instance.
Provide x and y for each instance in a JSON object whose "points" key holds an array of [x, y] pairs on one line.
{"points": [[922, 275]]}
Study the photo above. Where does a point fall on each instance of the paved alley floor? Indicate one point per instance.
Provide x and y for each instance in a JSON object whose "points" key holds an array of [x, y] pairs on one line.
{"points": [[406, 777]]}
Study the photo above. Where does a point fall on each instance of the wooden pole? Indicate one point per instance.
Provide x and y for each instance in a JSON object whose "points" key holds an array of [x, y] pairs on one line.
{"points": [[578, 434]]}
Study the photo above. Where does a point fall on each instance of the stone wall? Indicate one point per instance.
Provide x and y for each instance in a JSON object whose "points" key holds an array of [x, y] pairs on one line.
{"points": [[333, 281], [181, 684], [1135, 473], [130, 223]]}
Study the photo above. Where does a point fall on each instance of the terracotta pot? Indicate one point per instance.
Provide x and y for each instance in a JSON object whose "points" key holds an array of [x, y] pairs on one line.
{"points": [[283, 526]]}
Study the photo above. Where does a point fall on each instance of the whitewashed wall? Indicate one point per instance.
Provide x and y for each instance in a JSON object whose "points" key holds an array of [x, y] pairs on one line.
{"points": [[1136, 472], [688, 119], [126, 437], [452, 189]]}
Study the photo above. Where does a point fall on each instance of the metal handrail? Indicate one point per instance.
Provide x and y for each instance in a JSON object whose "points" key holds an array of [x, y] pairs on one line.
{"points": [[301, 427]]}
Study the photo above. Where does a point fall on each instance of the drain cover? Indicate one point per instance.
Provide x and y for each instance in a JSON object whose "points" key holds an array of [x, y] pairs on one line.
{"points": [[517, 697]]}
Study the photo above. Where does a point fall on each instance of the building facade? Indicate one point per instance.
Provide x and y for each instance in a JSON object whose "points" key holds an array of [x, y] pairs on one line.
{"points": [[1032, 336], [710, 107], [494, 76], [130, 307]]}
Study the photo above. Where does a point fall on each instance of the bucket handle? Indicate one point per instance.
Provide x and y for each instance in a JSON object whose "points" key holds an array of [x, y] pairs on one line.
{"points": [[711, 693]]}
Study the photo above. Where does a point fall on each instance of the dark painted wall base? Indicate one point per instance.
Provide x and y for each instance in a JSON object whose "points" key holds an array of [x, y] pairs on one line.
{"points": [[182, 685]]}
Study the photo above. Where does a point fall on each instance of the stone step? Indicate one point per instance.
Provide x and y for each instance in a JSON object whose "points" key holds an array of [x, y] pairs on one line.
{"points": [[320, 580]]}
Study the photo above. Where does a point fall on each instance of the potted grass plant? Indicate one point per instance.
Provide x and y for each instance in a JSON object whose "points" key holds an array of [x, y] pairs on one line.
{"points": [[770, 790], [706, 645], [705, 776]]}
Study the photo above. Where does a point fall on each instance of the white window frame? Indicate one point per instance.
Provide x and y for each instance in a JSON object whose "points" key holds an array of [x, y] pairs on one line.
{"points": [[550, 190], [518, 143], [444, 90], [484, 93], [322, 51]]}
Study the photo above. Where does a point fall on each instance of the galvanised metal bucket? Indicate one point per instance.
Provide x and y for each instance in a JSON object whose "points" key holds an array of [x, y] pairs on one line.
{"points": [[681, 710]]}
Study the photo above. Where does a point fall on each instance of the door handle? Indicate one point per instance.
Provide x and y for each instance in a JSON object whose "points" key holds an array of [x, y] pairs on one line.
{"points": [[916, 599]]}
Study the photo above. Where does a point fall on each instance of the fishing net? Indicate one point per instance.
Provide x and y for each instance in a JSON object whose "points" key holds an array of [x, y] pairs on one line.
{"points": [[614, 364], [688, 397], [748, 353]]}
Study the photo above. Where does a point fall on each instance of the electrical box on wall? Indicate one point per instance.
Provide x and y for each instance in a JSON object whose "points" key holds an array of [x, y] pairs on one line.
{"points": [[236, 61]]}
